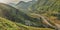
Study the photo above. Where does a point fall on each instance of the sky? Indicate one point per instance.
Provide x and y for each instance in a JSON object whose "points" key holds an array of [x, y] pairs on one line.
{"points": [[12, 1]]}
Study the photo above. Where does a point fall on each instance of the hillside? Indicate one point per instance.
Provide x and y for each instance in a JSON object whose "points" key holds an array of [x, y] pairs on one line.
{"points": [[49, 9], [15, 15], [13, 19], [6, 24], [44, 14]]}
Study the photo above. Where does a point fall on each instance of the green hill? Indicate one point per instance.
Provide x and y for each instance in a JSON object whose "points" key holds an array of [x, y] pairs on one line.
{"points": [[15, 15], [13, 19], [46, 7], [6, 24], [50, 9], [43, 15]]}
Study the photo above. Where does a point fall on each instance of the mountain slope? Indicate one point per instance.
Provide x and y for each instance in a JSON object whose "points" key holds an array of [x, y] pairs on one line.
{"points": [[24, 6], [5, 24], [17, 16], [8, 12], [44, 6], [50, 9]]}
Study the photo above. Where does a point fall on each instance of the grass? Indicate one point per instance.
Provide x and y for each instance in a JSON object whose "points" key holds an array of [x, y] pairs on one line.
{"points": [[33, 28], [9, 25]]}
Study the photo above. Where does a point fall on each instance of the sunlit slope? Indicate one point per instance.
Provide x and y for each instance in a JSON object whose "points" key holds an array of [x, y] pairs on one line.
{"points": [[32, 28], [7, 25]]}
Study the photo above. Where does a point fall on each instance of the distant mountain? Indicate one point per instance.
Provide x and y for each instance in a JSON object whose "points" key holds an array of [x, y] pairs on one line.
{"points": [[23, 6]]}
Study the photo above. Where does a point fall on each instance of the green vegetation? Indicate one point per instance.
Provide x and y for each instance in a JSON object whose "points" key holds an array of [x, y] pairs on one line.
{"points": [[42, 15], [10, 19], [49, 9], [6, 24]]}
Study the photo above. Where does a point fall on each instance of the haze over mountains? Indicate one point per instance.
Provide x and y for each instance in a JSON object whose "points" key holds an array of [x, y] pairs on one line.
{"points": [[24, 6], [32, 15]]}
